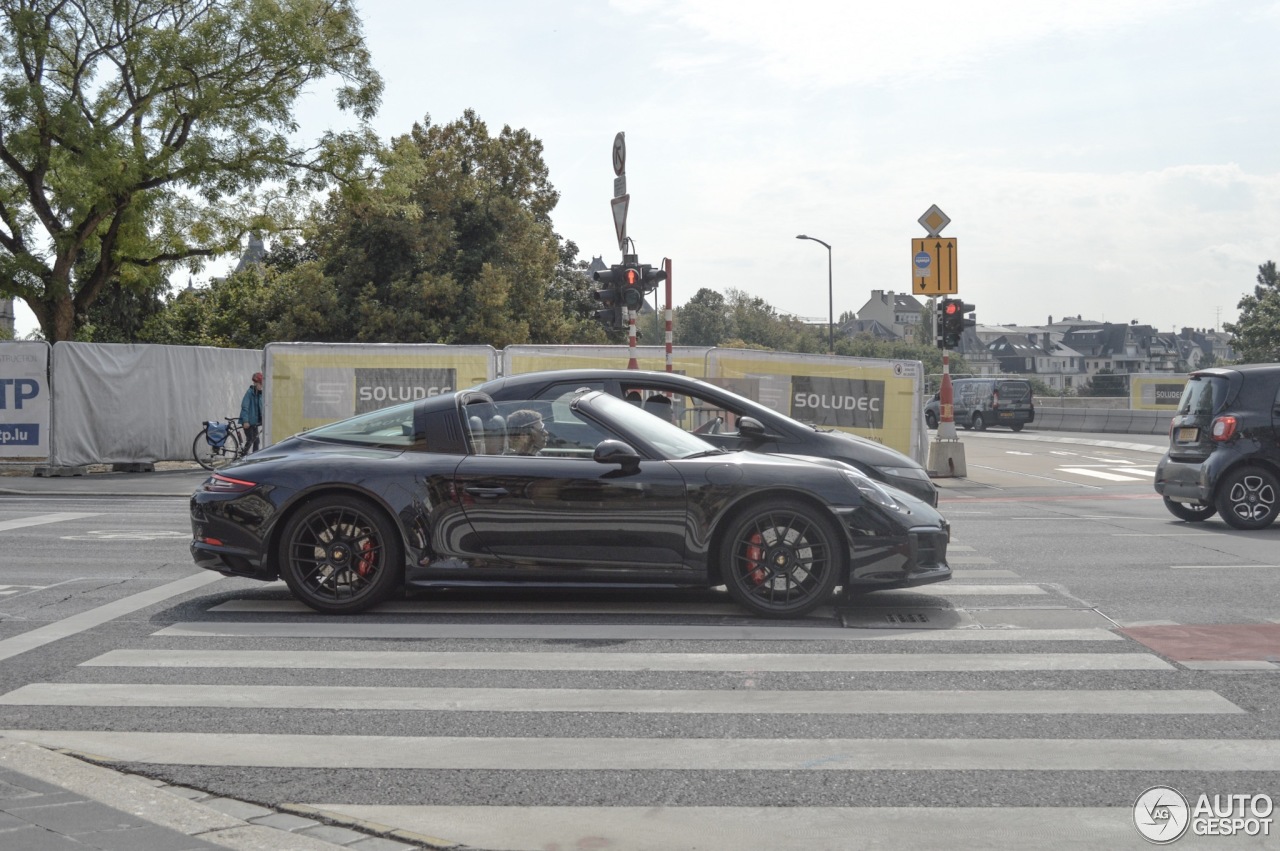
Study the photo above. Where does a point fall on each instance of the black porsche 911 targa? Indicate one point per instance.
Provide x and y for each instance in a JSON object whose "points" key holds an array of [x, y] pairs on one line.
{"points": [[457, 489]]}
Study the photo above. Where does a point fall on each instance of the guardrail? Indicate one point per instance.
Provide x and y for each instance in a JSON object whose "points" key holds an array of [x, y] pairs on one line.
{"points": [[1115, 420]]}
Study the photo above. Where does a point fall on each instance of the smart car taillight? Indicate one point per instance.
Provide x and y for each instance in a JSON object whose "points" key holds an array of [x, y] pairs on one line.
{"points": [[1223, 428]]}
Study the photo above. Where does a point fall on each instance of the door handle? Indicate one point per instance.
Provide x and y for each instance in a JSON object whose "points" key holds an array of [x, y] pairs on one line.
{"points": [[486, 493]]}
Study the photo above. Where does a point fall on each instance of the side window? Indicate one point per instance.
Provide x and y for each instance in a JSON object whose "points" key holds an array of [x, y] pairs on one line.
{"points": [[563, 433], [692, 413]]}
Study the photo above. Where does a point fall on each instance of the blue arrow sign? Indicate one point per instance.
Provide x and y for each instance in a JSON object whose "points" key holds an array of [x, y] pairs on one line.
{"points": [[922, 261]]}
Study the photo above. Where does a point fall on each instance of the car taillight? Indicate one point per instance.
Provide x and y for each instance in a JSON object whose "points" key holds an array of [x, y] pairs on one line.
{"points": [[1223, 428], [226, 484], [995, 401]]}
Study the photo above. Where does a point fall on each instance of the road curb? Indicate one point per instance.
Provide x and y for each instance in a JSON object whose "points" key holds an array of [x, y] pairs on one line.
{"points": [[173, 807]]}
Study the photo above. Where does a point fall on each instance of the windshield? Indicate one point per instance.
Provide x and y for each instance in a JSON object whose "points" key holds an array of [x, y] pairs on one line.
{"points": [[1204, 395], [668, 439], [388, 427]]}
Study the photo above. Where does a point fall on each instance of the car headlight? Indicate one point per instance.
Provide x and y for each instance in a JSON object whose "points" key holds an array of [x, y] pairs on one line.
{"points": [[917, 473], [872, 491]]}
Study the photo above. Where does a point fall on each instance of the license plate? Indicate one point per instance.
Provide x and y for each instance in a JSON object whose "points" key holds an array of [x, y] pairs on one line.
{"points": [[1188, 434]]}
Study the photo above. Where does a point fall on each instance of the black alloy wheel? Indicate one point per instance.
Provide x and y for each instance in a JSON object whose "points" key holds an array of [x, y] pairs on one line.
{"points": [[781, 561], [1192, 512], [930, 419], [215, 457], [340, 555], [1247, 497], [979, 424]]}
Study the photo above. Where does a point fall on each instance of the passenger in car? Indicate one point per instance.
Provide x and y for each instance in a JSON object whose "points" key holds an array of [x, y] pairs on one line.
{"points": [[526, 433]]}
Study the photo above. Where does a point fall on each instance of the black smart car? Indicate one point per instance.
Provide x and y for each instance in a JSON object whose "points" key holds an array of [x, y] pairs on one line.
{"points": [[458, 490], [1224, 447], [724, 419]]}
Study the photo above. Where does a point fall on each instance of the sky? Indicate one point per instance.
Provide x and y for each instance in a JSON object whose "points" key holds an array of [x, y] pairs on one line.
{"points": [[1114, 159]]}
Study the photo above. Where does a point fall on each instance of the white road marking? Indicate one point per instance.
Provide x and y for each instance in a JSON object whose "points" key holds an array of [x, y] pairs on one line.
{"points": [[1097, 474], [344, 630], [42, 519], [778, 828], [49, 633], [361, 660], [602, 754], [646, 701], [1223, 566]]}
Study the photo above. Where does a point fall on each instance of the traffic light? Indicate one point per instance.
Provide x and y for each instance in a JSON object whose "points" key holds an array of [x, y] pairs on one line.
{"points": [[651, 277], [609, 296], [948, 329], [633, 286], [951, 322]]}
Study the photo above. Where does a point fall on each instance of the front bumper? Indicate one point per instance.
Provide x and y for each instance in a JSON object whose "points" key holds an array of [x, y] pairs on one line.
{"points": [[918, 558]]}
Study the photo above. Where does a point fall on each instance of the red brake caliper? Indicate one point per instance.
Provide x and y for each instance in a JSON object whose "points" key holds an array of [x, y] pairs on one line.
{"points": [[365, 564], [754, 553]]}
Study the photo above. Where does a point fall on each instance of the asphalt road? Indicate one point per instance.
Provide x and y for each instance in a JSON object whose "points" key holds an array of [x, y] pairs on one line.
{"points": [[1090, 647]]}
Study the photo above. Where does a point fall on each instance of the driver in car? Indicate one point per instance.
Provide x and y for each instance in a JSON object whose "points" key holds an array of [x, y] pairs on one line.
{"points": [[526, 434]]}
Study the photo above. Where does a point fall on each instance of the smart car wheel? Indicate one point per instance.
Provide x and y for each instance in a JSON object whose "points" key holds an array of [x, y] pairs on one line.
{"points": [[1188, 511], [340, 555], [930, 419], [979, 424], [1247, 498], [780, 561]]}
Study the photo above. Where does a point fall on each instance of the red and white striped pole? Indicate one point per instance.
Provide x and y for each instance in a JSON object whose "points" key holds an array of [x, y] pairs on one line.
{"points": [[666, 265], [631, 338]]}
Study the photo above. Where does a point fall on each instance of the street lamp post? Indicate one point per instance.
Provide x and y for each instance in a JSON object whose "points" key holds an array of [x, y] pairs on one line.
{"points": [[831, 313]]}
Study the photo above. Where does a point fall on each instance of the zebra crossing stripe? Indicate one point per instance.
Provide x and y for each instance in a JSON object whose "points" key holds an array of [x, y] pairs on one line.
{"points": [[347, 630], [657, 754], [777, 828], [661, 701], [369, 660]]}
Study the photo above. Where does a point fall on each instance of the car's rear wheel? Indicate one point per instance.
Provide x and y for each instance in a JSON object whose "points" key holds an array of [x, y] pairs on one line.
{"points": [[779, 560], [979, 424], [1016, 426], [1247, 498], [930, 419], [1192, 512], [340, 555]]}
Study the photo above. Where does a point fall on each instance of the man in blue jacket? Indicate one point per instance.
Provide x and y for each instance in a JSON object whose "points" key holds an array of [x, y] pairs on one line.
{"points": [[251, 413]]}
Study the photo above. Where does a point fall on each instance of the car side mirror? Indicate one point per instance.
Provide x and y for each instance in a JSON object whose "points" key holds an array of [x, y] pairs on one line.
{"points": [[616, 452], [751, 428]]}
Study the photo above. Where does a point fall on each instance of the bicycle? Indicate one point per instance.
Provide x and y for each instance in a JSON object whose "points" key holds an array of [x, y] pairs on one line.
{"points": [[226, 444]]}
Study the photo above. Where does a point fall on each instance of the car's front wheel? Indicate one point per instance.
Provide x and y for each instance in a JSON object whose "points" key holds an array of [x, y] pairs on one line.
{"points": [[979, 424], [340, 555], [1192, 512], [930, 419], [780, 560], [1247, 498]]}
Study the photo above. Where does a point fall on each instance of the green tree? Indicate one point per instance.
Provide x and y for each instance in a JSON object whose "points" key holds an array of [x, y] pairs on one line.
{"points": [[702, 321], [1256, 334], [454, 244], [139, 134]]}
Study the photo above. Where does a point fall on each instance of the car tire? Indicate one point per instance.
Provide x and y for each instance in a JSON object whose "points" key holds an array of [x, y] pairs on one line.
{"points": [[1247, 497], [979, 424], [340, 555], [1192, 513], [1016, 426], [781, 560], [931, 419]]}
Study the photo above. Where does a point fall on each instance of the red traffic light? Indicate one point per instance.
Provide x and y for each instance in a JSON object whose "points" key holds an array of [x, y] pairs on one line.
{"points": [[951, 308]]}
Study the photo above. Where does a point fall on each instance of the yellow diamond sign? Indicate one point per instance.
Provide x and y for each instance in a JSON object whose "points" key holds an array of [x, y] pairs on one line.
{"points": [[934, 220]]}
